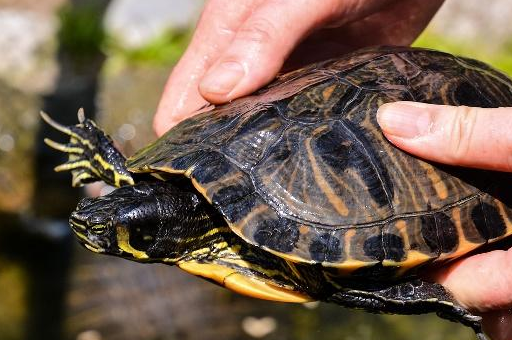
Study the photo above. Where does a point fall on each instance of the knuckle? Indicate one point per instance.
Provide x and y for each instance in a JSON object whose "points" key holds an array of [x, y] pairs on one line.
{"points": [[259, 30], [461, 133]]}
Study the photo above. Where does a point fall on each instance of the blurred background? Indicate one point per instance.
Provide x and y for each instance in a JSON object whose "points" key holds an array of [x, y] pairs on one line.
{"points": [[112, 58]]}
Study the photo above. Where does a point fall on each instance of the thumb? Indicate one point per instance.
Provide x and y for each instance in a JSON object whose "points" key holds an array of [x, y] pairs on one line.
{"points": [[456, 135]]}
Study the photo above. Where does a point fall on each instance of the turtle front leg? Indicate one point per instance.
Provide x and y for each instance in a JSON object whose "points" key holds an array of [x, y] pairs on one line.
{"points": [[91, 154], [413, 297]]}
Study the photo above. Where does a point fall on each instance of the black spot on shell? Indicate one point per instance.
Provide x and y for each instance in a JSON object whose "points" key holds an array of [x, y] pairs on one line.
{"points": [[326, 248], [347, 101], [307, 115], [339, 149], [373, 248], [335, 151], [385, 247], [429, 232], [448, 235], [373, 171], [186, 161], [280, 235], [239, 209], [393, 247], [488, 221], [439, 233], [281, 154], [229, 194], [467, 94], [211, 168]]}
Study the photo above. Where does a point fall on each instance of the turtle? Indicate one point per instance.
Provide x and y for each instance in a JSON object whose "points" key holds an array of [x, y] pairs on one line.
{"points": [[293, 193]]}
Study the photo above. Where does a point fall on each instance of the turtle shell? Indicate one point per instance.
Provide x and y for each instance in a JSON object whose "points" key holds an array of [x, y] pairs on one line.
{"points": [[302, 169]]}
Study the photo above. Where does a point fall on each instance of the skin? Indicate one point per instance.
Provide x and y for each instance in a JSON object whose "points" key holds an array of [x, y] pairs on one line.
{"points": [[472, 137], [239, 46], [255, 39]]}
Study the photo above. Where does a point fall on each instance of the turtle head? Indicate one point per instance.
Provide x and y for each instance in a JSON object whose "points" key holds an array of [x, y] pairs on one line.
{"points": [[132, 221], [111, 224]]}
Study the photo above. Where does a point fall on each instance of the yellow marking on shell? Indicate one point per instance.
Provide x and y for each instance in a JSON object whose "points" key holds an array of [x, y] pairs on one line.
{"points": [[303, 229], [200, 189], [328, 91], [254, 212], [165, 169], [435, 179], [414, 258], [404, 174], [250, 286], [332, 197], [189, 171], [289, 257], [350, 265], [123, 242], [401, 226], [350, 176]]}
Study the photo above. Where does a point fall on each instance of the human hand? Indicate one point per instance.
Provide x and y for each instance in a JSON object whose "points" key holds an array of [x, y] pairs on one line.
{"points": [[471, 137], [239, 46]]}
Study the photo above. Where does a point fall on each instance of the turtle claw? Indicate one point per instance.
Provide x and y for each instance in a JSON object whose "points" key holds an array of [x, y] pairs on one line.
{"points": [[81, 115], [91, 154], [68, 148], [54, 124]]}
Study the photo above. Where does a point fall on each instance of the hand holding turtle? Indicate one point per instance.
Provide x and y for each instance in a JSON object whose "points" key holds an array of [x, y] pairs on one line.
{"points": [[240, 46], [472, 137]]}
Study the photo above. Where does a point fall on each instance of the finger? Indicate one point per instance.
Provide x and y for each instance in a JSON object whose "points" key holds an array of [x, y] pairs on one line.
{"points": [[215, 30], [482, 282], [266, 39], [461, 135]]}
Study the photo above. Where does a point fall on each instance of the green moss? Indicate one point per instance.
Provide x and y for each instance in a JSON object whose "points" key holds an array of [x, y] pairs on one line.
{"points": [[81, 32], [165, 49]]}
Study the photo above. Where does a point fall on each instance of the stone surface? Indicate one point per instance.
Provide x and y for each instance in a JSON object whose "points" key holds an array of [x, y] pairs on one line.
{"points": [[134, 23], [469, 19], [27, 43]]}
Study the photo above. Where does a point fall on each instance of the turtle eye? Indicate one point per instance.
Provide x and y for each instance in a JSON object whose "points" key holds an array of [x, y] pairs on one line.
{"points": [[99, 228]]}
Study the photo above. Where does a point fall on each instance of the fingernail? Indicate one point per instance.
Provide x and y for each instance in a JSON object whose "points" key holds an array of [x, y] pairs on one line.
{"points": [[223, 78], [405, 120]]}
